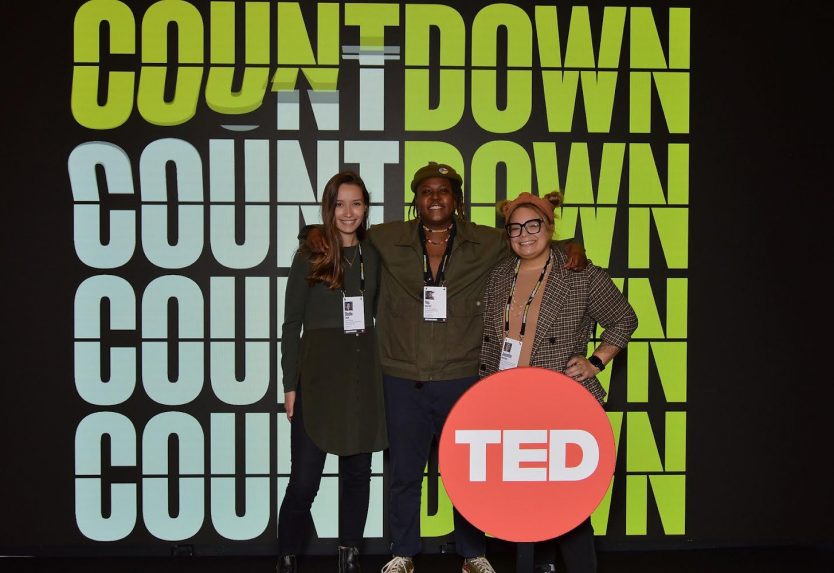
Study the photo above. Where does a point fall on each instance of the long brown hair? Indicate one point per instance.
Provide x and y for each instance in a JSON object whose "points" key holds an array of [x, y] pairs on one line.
{"points": [[327, 267]]}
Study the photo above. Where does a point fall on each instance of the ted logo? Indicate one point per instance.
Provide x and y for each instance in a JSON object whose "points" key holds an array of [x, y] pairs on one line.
{"points": [[527, 454]]}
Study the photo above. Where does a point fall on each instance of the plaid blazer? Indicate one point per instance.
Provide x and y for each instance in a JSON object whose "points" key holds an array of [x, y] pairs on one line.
{"points": [[572, 303]]}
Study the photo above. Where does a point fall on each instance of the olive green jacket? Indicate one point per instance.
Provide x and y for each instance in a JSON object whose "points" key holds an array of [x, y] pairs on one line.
{"points": [[410, 347]]}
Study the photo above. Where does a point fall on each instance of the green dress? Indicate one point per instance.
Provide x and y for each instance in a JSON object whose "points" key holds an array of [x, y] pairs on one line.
{"points": [[337, 373]]}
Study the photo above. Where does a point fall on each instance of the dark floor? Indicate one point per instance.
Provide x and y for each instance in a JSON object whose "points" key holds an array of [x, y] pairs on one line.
{"points": [[701, 561]]}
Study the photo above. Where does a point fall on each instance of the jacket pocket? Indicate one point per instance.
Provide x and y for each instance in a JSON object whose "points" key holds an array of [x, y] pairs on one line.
{"points": [[465, 329], [398, 337]]}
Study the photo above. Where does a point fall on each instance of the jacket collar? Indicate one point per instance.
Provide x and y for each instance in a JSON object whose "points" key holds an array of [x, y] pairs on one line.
{"points": [[553, 297]]}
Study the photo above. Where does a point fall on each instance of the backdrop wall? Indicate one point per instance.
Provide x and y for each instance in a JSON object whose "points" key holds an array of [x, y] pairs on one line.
{"points": [[161, 157]]}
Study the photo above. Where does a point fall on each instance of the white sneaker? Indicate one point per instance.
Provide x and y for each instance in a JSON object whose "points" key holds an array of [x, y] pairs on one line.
{"points": [[477, 565], [399, 565]]}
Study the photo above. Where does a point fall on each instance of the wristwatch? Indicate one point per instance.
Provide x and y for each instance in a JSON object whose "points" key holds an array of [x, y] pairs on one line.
{"points": [[596, 362]]}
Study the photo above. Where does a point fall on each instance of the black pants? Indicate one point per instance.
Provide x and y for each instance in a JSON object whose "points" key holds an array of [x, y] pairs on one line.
{"points": [[305, 477], [415, 416], [577, 548]]}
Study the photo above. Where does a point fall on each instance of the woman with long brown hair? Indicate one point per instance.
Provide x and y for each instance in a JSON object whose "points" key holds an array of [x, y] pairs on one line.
{"points": [[331, 295]]}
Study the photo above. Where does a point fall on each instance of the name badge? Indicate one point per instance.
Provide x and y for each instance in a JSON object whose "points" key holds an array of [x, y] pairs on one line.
{"points": [[510, 353], [353, 313], [434, 303]]}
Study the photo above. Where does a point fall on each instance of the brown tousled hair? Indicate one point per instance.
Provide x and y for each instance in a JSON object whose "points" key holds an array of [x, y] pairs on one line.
{"points": [[327, 267]]}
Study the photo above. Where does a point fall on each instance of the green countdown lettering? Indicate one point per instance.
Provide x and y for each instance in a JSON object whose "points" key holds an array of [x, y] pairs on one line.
{"points": [[189, 26], [516, 165], [372, 19], [669, 492], [118, 103], [641, 297], [672, 225], [642, 453], [646, 49], [578, 184], [231, 56], [673, 91], [219, 94], [294, 47], [420, 19], [221, 98], [597, 230], [579, 52], [451, 101], [580, 46], [150, 99], [516, 22], [441, 522], [151, 102], [599, 518], [644, 183], [670, 360], [519, 100]]}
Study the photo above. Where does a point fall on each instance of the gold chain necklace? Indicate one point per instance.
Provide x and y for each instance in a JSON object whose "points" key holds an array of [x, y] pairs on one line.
{"points": [[350, 261], [427, 230], [447, 230]]}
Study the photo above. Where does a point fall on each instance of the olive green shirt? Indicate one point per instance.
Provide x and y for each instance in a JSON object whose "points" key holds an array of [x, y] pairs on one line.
{"points": [[411, 347], [337, 373]]}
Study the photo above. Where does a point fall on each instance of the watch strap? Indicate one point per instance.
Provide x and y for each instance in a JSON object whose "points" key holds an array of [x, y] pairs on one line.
{"points": [[597, 362]]}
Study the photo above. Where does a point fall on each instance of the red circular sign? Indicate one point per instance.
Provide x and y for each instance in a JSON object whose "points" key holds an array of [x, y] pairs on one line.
{"points": [[527, 454]]}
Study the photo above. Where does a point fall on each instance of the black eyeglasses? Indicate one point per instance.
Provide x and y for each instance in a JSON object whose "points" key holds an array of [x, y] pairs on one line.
{"points": [[533, 226]]}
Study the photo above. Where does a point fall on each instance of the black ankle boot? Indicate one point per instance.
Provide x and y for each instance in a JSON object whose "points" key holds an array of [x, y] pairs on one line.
{"points": [[348, 560], [286, 564]]}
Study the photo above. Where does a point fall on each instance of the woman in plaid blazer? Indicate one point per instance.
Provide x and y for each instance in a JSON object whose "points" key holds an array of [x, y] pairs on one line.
{"points": [[537, 313]]}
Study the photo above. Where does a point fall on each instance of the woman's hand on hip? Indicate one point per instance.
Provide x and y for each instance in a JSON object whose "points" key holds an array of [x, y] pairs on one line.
{"points": [[580, 369]]}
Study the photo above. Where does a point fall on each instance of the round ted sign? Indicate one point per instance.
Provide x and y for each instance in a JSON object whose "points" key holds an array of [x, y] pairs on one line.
{"points": [[527, 454]]}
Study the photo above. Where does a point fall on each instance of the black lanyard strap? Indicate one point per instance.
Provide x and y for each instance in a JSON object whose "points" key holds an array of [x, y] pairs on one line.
{"points": [[439, 280], [529, 299]]}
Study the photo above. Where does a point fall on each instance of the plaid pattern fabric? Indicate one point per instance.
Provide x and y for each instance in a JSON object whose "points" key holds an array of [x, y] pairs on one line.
{"points": [[572, 303]]}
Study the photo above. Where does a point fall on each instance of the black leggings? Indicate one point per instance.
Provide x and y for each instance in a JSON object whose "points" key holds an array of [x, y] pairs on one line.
{"points": [[305, 477]]}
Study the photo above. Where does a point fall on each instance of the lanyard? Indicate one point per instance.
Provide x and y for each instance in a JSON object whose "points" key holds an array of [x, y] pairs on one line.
{"points": [[529, 299], [361, 273], [429, 280]]}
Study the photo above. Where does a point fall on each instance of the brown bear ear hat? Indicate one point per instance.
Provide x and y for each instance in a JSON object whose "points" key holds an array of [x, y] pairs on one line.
{"points": [[546, 204]]}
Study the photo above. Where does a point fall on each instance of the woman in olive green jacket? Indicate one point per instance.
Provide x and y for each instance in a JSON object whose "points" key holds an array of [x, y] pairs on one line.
{"points": [[334, 365]]}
